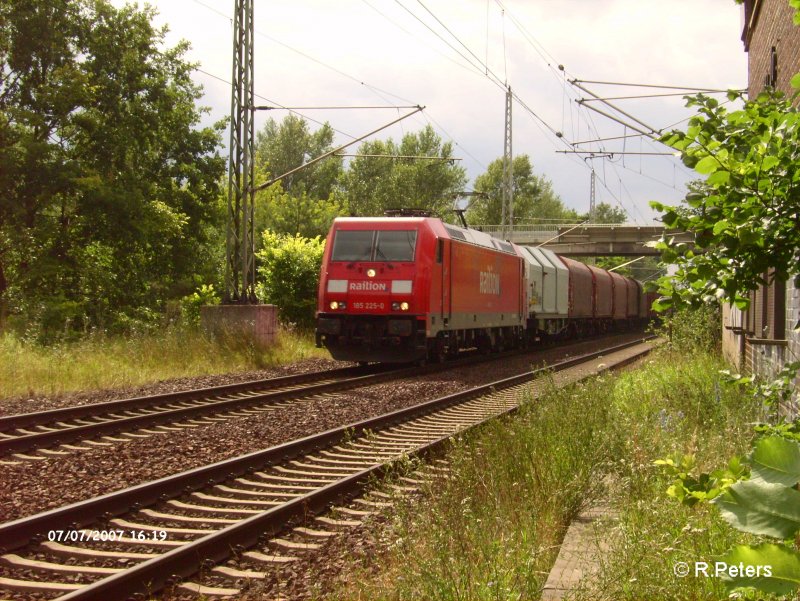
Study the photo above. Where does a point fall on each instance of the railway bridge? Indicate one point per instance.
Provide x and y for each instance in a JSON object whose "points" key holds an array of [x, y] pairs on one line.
{"points": [[587, 239]]}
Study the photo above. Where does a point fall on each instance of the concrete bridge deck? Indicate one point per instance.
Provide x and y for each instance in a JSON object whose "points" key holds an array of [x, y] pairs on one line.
{"points": [[588, 239]]}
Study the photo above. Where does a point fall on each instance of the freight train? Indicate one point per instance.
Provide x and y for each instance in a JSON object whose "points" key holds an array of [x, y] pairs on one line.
{"points": [[412, 289]]}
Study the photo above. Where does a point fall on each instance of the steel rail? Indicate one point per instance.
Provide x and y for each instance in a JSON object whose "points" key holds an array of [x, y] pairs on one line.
{"points": [[20, 532], [47, 439], [26, 420], [154, 574], [351, 378]]}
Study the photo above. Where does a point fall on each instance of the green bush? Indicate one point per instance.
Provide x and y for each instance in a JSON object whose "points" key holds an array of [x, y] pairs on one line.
{"points": [[692, 329], [191, 303], [289, 275]]}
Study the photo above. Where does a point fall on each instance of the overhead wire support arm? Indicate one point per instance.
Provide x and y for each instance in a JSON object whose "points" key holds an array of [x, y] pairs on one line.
{"points": [[645, 85], [399, 156], [618, 120], [639, 96], [628, 263], [328, 108], [583, 101], [275, 180], [606, 139], [611, 154], [562, 233]]}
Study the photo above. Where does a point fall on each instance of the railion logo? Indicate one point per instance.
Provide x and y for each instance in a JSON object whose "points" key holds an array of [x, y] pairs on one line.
{"points": [[489, 282], [368, 287]]}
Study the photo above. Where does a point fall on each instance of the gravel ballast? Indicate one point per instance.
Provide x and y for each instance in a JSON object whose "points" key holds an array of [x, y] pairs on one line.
{"points": [[36, 486]]}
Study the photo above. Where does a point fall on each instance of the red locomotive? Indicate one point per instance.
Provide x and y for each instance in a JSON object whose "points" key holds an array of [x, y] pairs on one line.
{"points": [[401, 289]]}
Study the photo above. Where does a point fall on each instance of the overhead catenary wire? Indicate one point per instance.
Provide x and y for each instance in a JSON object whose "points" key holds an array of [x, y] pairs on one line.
{"points": [[657, 86], [486, 71], [626, 264], [438, 35], [293, 111], [376, 90], [561, 72], [621, 122], [641, 96], [407, 32], [551, 62], [325, 155], [329, 108], [583, 116], [612, 153], [612, 138], [616, 108], [400, 156]]}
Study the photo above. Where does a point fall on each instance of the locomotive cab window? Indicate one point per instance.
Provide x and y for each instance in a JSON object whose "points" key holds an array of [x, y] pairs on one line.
{"points": [[353, 245], [395, 245], [370, 245]]}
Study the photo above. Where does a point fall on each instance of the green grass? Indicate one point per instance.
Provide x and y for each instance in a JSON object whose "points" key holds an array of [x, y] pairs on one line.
{"points": [[492, 530], [111, 362]]}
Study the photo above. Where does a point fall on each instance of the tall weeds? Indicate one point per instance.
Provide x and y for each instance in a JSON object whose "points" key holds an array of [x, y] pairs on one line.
{"points": [[492, 530], [27, 368]]}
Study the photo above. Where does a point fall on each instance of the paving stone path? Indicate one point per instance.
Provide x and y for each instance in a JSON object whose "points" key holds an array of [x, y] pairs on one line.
{"points": [[583, 546]]}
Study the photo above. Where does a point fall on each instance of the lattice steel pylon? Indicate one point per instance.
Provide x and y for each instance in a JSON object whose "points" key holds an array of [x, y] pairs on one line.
{"points": [[507, 217], [592, 196], [240, 277]]}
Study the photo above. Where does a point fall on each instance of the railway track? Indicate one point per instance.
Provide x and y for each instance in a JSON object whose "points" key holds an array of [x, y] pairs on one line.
{"points": [[62, 432], [155, 534], [103, 424]]}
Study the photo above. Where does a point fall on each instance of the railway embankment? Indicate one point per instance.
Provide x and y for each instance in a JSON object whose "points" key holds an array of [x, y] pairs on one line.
{"points": [[494, 527]]}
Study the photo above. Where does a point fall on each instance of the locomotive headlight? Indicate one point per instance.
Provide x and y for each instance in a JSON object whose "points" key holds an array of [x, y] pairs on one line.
{"points": [[371, 273], [395, 306], [404, 306], [334, 305]]}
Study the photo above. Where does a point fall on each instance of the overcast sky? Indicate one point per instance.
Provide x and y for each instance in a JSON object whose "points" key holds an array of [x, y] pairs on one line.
{"points": [[379, 52]]}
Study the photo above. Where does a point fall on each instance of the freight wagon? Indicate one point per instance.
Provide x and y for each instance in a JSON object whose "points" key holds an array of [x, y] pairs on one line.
{"points": [[400, 289]]}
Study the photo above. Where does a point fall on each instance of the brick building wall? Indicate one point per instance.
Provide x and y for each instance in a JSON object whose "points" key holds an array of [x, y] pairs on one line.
{"points": [[772, 43], [793, 337], [763, 339]]}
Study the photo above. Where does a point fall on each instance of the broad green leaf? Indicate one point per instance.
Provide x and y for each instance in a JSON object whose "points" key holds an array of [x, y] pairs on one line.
{"points": [[661, 305], [776, 460], [707, 165], [779, 571], [761, 508], [769, 162], [718, 178], [720, 226]]}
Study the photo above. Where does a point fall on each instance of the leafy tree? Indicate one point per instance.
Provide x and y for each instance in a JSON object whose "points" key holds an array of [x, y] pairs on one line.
{"points": [[744, 219], [284, 213], [372, 184], [281, 147], [605, 213], [534, 197], [107, 182], [305, 202], [289, 267]]}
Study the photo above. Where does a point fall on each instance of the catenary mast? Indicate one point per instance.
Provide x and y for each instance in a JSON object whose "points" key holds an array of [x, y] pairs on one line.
{"points": [[240, 278]]}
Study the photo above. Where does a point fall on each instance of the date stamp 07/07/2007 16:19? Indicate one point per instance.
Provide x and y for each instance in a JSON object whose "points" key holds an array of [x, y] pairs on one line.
{"points": [[75, 536]]}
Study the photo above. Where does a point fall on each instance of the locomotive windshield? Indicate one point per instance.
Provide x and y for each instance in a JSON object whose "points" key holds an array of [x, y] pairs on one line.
{"points": [[372, 245]]}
